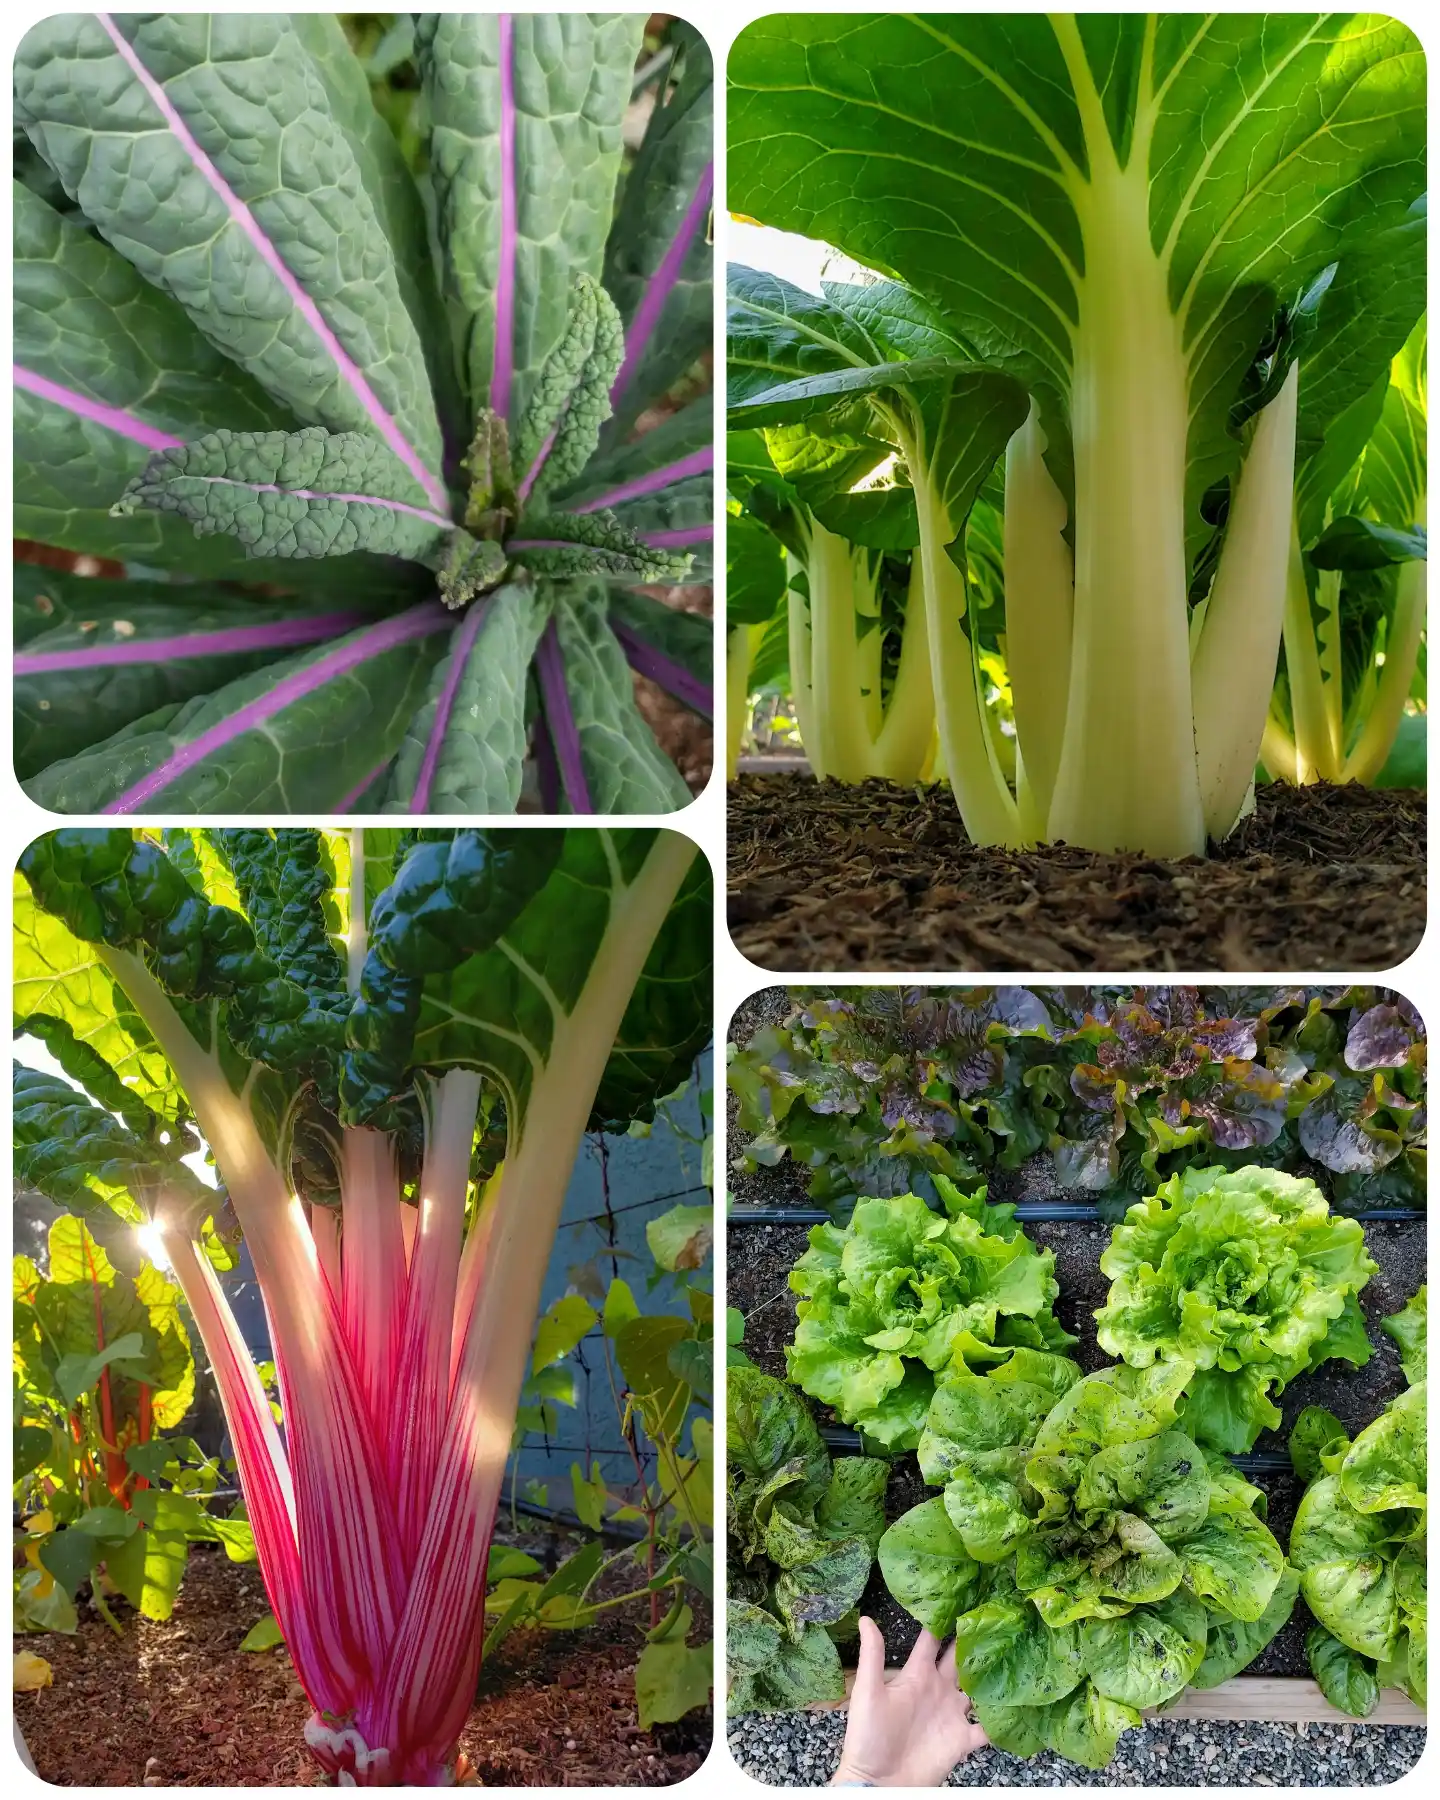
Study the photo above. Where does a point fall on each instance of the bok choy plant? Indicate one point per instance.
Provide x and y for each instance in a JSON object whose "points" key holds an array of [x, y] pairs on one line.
{"points": [[250, 335], [391, 1044], [1132, 274]]}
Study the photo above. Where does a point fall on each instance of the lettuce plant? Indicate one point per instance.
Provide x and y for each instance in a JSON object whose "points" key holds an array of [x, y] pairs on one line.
{"points": [[802, 1536], [1246, 1278], [391, 1044], [1090, 1558], [903, 1293], [1132, 302], [249, 335], [1359, 1541]]}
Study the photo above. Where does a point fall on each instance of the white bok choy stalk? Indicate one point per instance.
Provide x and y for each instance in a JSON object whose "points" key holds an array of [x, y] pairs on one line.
{"points": [[1134, 202], [392, 1044]]}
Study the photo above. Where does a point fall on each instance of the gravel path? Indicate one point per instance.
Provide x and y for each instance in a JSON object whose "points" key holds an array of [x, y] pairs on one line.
{"points": [[802, 1750]]}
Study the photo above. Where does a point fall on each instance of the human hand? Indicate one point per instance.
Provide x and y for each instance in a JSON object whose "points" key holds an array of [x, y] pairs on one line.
{"points": [[912, 1731]]}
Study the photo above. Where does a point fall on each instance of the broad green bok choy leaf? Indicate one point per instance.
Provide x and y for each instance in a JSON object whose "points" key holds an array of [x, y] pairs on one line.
{"points": [[1186, 246]]}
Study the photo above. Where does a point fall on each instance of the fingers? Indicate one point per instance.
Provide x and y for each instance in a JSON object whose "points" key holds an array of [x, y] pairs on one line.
{"points": [[870, 1673], [927, 1648], [946, 1667]]}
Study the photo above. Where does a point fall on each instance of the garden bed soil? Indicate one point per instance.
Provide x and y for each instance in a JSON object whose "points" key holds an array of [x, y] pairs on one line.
{"points": [[836, 878], [179, 1705]]}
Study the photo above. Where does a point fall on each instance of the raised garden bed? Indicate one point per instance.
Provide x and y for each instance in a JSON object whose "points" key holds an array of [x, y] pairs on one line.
{"points": [[1277, 1686], [829, 877], [180, 1705]]}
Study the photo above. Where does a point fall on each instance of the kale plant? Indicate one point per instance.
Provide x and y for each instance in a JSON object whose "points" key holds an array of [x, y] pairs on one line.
{"points": [[250, 335], [1090, 1558], [1359, 1538], [802, 1536], [1244, 1277], [903, 1294]]}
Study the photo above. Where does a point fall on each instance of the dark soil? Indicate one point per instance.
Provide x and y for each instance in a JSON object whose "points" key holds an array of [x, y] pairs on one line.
{"points": [[829, 877], [179, 1705], [760, 1258]]}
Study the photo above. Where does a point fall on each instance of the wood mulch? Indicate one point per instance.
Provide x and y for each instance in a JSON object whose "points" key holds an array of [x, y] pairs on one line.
{"points": [[179, 1705], [829, 877]]}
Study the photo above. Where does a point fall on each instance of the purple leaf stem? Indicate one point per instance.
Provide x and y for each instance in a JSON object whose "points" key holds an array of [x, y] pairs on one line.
{"points": [[564, 732], [698, 462], [281, 634], [662, 283], [464, 642], [240, 213], [113, 418], [502, 369], [420, 621], [546, 767], [646, 660], [677, 540], [361, 788]]}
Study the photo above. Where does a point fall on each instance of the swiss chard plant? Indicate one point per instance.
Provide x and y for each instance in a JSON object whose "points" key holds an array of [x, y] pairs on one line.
{"points": [[391, 1044], [1090, 1558], [111, 1498], [442, 414], [1359, 1538], [1127, 326], [880, 1091], [903, 1294], [1246, 1278], [802, 1533]]}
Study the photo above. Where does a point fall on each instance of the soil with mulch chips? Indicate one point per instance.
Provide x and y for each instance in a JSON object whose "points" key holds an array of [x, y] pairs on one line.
{"points": [[837, 878], [180, 1705]]}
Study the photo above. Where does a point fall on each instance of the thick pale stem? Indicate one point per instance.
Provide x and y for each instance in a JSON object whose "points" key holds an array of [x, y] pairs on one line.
{"points": [[1277, 751], [986, 804], [1127, 778], [1233, 673], [1402, 646], [358, 942], [837, 721], [1314, 750], [739, 654], [422, 1702], [1039, 613], [372, 1265], [797, 625], [903, 747], [1332, 663], [325, 1229], [869, 645]]}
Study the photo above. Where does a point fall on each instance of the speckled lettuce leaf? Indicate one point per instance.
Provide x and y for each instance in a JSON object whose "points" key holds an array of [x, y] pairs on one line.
{"points": [[1385, 1468], [1147, 1656], [853, 1506], [1233, 1563], [928, 1569], [1233, 1644], [1346, 1678], [292, 494], [1316, 1432], [1085, 1727], [203, 147], [478, 710], [1006, 1654], [307, 757], [821, 1590], [659, 256], [1345, 1559], [972, 1414], [773, 1672], [625, 769], [569, 76]]}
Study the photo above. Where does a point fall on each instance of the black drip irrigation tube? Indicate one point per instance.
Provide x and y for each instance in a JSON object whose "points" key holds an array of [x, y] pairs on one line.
{"points": [[1253, 1462], [1029, 1212]]}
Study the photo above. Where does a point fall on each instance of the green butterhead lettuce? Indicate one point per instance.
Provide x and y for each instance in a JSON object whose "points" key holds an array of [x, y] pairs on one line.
{"points": [[1091, 1559], [1244, 1275], [1358, 1542], [803, 1532], [904, 1293], [1407, 1328]]}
